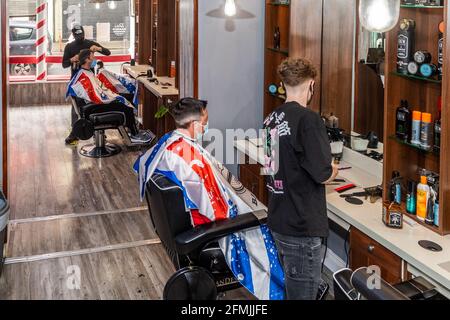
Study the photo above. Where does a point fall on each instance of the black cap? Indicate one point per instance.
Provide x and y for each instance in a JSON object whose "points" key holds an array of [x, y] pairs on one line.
{"points": [[77, 29]]}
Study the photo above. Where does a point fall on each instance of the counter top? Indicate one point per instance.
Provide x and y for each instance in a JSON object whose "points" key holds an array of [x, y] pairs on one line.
{"points": [[139, 72], [367, 218]]}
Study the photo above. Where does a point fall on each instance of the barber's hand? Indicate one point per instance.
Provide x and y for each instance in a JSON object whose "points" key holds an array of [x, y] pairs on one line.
{"points": [[95, 48], [334, 174], [75, 59]]}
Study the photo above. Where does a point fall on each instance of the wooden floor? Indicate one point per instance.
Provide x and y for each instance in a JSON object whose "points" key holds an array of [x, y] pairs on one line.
{"points": [[67, 210], [74, 213]]}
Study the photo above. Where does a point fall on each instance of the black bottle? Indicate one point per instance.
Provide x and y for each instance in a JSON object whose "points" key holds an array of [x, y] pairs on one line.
{"points": [[277, 38], [405, 45], [403, 121]]}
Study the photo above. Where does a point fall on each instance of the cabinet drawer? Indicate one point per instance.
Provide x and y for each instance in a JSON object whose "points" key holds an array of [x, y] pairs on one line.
{"points": [[367, 252]]}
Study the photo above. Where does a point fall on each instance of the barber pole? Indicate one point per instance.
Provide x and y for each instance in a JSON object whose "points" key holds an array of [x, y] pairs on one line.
{"points": [[41, 39]]}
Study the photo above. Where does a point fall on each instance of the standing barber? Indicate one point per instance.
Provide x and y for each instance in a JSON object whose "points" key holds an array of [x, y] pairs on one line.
{"points": [[71, 59], [297, 204]]}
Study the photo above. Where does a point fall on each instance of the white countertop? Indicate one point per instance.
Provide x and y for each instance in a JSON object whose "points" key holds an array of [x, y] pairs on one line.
{"points": [[159, 90], [367, 218]]}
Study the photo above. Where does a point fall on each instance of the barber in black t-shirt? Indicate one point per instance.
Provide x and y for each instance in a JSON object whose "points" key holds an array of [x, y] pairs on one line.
{"points": [[71, 59], [300, 165]]}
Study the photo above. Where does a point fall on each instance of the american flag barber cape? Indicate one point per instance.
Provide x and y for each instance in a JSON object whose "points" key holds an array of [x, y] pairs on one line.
{"points": [[119, 83], [211, 193], [85, 85]]}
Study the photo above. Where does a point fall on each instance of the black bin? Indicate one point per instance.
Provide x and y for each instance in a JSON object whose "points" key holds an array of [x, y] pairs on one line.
{"points": [[4, 217]]}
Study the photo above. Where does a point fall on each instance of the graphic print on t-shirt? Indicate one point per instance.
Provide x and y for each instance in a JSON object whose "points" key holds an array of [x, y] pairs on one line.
{"points": [[276, 127]]}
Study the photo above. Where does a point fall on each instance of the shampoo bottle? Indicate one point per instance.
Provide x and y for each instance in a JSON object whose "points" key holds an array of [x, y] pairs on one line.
{"points": [[423, 194], [411, 201], [416, 126], [403, 121]]}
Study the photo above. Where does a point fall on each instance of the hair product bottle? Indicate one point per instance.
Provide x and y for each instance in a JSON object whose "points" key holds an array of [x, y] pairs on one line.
{"points": [[415, 127], [426, 131], [405, 45], [411, 200], [441, 49], [403, 121], [423, 194]]}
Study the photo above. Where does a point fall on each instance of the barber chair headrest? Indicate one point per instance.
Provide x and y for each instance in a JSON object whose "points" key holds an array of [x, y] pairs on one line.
{"points": [[362, 280]]}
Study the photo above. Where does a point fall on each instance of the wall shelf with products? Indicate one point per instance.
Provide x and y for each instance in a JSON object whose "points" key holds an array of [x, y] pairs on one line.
{"points": [[423, 95], [418, 6]]}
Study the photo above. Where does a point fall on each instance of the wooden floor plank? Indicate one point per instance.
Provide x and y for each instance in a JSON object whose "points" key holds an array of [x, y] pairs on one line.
{"points": [[27, 239], [120, 274], [49, 178]]}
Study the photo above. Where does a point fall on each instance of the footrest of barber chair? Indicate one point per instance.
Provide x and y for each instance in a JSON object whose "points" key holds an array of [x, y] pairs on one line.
{"points": [[198, 237], [106, 151], [191, 283]]}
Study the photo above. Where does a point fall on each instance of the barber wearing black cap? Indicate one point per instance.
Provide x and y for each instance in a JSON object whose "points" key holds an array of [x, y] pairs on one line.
{"points": [[71, 59]]}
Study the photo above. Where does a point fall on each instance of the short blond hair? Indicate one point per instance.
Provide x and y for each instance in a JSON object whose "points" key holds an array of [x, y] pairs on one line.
{"points": [[295, 71]]}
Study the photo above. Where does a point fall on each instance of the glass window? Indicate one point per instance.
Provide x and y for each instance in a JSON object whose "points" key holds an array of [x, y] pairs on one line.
{"points": [[20, 33]]}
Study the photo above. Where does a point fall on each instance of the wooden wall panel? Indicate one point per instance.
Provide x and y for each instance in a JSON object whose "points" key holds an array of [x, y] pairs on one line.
{"points": [[144, 27], [37, 94], [306, 37], [187, 48], [4, 92], [337, 60]]}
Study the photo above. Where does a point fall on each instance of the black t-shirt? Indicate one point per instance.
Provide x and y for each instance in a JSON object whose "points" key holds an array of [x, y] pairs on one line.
{"points": [[74, 48], [297, 198]]}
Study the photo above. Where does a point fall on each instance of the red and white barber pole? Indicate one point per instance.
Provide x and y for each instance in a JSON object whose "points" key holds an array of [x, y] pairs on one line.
{"points": [[41, 40]]}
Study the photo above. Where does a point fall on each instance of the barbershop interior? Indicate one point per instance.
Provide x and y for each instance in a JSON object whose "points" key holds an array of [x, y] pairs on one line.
{"points": [[224, 150]]}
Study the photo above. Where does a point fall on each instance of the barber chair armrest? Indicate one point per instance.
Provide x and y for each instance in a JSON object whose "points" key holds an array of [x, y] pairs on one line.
{"points": [[87, 108], [198, 237]]}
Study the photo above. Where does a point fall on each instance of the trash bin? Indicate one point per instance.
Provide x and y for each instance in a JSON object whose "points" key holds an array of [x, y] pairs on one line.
{"points": [[4, 216]]}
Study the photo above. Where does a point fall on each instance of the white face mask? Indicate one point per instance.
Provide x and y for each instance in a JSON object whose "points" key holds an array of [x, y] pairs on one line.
{"points": [[199, 136]]}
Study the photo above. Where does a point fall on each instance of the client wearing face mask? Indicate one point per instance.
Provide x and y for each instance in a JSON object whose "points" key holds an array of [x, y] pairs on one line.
{"points": [[298, 165], [86, 86], [71, 59]]}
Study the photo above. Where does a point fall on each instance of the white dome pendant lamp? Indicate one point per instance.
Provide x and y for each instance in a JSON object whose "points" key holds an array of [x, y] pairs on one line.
{"points": [[379, 15]]}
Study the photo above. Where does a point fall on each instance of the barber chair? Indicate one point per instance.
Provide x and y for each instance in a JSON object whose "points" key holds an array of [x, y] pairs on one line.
{"points": [[94, 126], [364, 285], [202, 272]]}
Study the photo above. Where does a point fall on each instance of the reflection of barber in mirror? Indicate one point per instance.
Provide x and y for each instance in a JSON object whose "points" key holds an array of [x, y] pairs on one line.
{"points": [[72, 50], [71, 59], [297, 205]]}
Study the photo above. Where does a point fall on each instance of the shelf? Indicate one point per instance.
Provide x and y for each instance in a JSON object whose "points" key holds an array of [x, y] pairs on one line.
{"points": [[409, 76], [432, 151], [282, 51], [415, 6], [414, 217], [279, 4], [278, 96]]}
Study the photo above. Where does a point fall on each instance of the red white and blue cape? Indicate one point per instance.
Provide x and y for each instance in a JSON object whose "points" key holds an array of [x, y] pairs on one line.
{"points": [[85, 85], [211, 193], [119, 83]]}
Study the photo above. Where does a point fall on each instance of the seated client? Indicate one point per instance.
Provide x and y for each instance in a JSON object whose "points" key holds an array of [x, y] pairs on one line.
{"points": [[86, 86], [211, 194]]}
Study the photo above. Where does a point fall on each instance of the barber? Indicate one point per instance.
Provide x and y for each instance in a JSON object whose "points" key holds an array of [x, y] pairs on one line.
{"points": [[297, 203], [71, 59]]}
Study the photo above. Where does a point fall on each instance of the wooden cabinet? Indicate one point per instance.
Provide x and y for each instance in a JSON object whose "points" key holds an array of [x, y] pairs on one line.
{"points": [[249, 175], [365, 252]]}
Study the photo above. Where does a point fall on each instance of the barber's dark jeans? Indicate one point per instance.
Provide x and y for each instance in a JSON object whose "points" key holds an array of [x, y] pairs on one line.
{"points": [[302, 260], [115, 106]]}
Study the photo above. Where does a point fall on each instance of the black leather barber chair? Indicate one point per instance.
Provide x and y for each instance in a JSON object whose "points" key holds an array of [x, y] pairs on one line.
{"points": [[202, 272], [364, 285], [94, 126]]}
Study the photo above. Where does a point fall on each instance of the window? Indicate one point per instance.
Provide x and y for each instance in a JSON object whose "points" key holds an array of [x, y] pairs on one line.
{"points": [[21, 33]]}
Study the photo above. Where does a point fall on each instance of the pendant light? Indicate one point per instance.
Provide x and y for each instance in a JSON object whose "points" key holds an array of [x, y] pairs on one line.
{"points": [[230, 8], [379, 15]]}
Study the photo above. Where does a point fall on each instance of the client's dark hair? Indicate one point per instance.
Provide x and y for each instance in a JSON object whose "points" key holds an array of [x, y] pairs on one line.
{"points": [[84, 55], [187, 110]]}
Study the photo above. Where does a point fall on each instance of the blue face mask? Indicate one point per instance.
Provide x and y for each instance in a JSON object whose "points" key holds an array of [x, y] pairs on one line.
{"points": [[93, 64]]}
